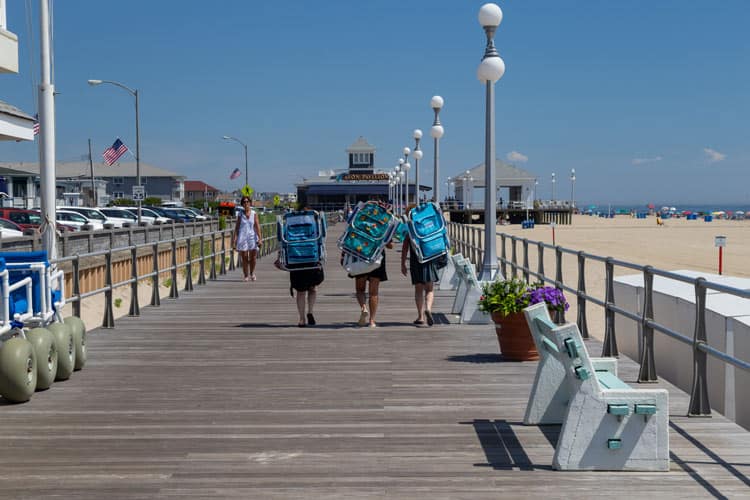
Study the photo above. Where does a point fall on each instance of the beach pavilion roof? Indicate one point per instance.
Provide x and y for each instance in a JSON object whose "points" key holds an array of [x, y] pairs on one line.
{"points": [[505, 175]]}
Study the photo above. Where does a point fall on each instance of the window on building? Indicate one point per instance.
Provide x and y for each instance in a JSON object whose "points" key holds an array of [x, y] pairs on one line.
{"points": [[117, 181], [118, 194]]}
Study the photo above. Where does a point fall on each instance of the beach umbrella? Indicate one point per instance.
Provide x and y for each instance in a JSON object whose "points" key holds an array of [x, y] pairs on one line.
{"points": [[651, 206]]}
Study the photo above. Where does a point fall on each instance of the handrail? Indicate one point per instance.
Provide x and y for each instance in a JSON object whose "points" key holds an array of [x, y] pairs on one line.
{"points": [[467, 240], [205, 240]]}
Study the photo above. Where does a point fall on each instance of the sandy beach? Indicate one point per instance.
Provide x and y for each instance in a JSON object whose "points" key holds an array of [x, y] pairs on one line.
{"points": [[678, 244]]}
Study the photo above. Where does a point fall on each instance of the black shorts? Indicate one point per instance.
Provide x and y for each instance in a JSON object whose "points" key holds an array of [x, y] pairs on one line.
{"points": [[304, 280]]}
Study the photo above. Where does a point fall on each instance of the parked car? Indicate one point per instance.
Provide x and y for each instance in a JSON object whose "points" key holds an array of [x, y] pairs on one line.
{"points": [[150, 215], [95, 215], [9, 229], [164, 213], [75, 219], [171, 213], [198, 214], [24, 218], [121, 213]]}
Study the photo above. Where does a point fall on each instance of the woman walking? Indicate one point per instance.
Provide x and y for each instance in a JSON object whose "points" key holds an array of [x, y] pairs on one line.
{"points": [[423, 277], [247, 238], [306, 282], [370, 283]]}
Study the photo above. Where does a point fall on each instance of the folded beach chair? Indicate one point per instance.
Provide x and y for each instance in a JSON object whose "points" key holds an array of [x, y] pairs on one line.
{"points": [[429, 237], [302, 237], [370, 228]]}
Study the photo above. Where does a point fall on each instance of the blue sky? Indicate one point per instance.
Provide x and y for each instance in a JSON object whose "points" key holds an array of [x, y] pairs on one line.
{"points": [[647, 100]]}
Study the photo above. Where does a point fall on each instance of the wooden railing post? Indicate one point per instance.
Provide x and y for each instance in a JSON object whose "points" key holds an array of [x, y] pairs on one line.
{"points": [[699, 405], [609, 349], [583, 326], [526, 274], [173, 293], [155, 299], [647, 372], [189, 267], [559, 315], [135, 310], [212, 271], [77, 286], [202, 266], [109, 319]]}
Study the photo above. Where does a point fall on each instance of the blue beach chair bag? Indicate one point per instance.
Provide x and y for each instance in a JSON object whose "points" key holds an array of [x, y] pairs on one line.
{"points": [[432, 247], [373, 220], [426, 220]]}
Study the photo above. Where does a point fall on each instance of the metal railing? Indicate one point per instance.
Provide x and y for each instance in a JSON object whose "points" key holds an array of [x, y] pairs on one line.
{"points": [[468, 241], [211, 245]]}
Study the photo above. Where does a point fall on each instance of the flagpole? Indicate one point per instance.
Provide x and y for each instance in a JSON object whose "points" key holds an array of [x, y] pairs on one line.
{"points": [[91, 167], [138, 153], [47, 133]]}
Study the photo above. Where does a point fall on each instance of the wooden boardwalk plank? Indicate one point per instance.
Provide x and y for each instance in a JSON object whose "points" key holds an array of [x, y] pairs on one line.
{"points": [[219, 394]]}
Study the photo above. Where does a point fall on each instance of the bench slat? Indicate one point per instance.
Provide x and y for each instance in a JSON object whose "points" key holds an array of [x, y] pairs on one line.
{"points": [[609, 381]]}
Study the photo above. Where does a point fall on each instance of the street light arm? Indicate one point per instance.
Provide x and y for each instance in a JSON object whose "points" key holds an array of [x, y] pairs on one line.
{"points": [[117, 84], [230, 138]]}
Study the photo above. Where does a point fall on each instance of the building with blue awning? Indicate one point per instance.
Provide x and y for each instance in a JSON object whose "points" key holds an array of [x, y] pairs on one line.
{"points": [[361, 181]]}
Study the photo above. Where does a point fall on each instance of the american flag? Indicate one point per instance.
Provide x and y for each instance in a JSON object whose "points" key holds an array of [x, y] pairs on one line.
{"points": [[235, 173], [36, 128], [114, 152]]}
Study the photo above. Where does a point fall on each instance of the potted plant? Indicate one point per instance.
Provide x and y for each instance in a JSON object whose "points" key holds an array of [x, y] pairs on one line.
{"points": [[553, 297], [505, 301]]}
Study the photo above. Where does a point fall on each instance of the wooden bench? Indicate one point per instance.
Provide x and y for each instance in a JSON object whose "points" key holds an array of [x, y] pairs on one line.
{"points": [[606, 424]]}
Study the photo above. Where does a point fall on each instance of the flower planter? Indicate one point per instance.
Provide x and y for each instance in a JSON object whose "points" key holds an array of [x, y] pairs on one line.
{"points": [[516, 342]]}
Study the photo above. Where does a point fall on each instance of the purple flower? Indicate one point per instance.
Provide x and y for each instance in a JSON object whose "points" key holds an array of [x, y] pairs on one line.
{"points": [[553, 297]]}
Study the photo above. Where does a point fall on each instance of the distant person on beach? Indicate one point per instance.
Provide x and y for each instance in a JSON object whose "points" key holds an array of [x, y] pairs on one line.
{"points": [[659, 221], [423, 277], [247, 237]]}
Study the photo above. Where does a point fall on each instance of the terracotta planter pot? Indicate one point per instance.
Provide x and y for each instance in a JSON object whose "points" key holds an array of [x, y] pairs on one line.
{"points": [[516, 342]]}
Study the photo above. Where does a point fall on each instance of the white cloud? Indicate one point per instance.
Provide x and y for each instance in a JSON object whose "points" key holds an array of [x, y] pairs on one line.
{"points": [[641, 161], [713, 156], [517, 157]]}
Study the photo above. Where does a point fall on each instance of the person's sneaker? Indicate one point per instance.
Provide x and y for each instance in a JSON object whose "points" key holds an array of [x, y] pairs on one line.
{"points": [[363, 318], [252, 277]]}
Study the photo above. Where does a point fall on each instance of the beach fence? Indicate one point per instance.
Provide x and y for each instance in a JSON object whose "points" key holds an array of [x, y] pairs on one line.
{"points": [[701, 321], [161, 255]]}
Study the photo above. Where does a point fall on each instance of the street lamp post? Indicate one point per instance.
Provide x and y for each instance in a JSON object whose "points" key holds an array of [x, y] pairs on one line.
{"points": [[230, 138], [572, 188], [490, 70], [417, 156], [134, 93], [436, 132], [397, 178], [553, 187], [405, 167]]}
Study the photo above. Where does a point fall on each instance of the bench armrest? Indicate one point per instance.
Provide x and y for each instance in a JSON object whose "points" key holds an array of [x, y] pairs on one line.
{"points": [[605, 365]]}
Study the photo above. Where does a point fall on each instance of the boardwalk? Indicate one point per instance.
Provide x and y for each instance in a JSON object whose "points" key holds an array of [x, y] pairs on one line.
{"points": [[218, 394]]}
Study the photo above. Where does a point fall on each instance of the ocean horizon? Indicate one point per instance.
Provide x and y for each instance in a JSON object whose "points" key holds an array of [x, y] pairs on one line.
{"points": [[692, 207]]}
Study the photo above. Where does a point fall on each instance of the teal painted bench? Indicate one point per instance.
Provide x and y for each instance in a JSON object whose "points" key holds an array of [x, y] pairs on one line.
{"points": [[465, 303], [606, 424]]}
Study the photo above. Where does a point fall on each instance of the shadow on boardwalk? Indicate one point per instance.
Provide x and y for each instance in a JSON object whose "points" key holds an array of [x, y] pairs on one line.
{"points": [[218, 394]]}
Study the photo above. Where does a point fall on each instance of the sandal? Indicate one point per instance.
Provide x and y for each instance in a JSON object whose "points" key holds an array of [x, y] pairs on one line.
{"points": [[363, 318], [310, 319], [301, 325], [418, 322], [430, 320]]}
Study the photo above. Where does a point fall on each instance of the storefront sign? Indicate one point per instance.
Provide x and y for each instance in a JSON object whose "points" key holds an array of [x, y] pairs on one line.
{"points": [[365, 177]]}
